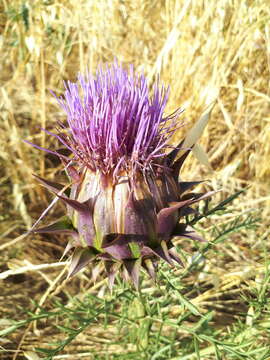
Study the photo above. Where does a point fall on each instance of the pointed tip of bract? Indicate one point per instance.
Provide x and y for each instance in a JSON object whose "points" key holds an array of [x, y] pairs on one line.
{"points": [[61, 226], [80, 258], [174, 255], [186, 185], [163, 253], [96, 271], [150, 268], [70, 245], [133, 267], [111, 270], [50, 185]]}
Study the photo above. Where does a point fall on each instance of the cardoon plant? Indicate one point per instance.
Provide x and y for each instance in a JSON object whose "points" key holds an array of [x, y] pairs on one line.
{"points": [[126, 202]]}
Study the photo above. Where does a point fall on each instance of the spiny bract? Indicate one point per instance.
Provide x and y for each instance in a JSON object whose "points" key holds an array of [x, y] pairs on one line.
{"points": [[126, 202]]}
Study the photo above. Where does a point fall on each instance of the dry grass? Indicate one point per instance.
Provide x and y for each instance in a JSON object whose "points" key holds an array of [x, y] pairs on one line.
{"points": [[202, 49]]}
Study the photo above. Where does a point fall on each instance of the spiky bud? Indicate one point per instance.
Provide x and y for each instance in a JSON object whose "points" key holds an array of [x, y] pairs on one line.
{"points": [[126, 202]]}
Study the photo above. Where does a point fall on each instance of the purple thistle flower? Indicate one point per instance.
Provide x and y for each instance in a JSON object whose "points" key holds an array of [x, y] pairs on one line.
{"points": [[113, 123], [126, 203]]}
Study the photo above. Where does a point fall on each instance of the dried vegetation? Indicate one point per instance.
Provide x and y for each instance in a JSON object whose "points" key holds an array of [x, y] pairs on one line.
{"points": [[205, 51]]}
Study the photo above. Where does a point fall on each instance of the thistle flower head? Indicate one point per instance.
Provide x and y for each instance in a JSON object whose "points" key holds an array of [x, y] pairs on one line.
{"points": [[126, 203], [113, 122]]}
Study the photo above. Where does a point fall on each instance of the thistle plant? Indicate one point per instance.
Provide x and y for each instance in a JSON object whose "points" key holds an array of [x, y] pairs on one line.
{"points": [[126, 202]]}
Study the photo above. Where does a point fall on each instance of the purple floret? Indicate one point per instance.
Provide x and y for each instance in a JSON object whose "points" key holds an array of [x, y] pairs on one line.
{"points": [[113, 122]]}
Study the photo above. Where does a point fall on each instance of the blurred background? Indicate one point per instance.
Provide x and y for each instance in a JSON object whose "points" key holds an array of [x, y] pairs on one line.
{"points": [[204, 50]]}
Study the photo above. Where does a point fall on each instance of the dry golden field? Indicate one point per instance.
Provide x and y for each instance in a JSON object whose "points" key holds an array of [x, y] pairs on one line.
{"points": [[215, 50]]}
